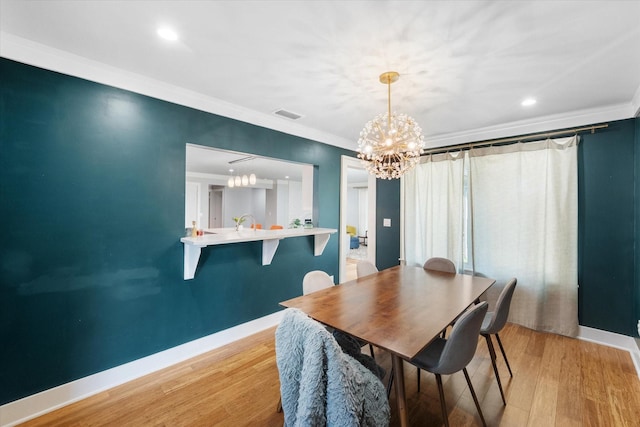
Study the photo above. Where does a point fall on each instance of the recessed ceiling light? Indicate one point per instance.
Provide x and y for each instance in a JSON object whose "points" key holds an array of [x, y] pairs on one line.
{"points": [[528, 102], [167, 34]]}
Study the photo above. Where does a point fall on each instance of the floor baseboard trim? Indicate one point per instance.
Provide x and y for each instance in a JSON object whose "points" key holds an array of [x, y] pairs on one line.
{"points": [[614, 340], [30, 407]]}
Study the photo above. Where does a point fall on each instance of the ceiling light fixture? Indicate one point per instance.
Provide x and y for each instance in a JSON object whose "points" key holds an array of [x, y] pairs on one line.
{"points": [[528, 102], [244, 180], [167, 34], [390, 144], [241, 181]]}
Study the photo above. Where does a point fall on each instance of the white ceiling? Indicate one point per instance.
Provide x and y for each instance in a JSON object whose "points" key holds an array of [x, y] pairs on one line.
{"points": [[465, 66]]}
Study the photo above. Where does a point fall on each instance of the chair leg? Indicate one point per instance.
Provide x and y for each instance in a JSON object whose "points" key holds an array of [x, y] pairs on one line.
{"points": [[390, 384], [418, 379], [492, 352], [473, 393], [443, 405], [373, 356], [504, 355]]}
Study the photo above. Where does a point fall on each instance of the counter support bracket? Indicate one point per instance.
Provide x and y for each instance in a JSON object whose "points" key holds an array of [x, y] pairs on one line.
{"points": [[191, 257], [269, 248], [270, 241], [320, 242]]}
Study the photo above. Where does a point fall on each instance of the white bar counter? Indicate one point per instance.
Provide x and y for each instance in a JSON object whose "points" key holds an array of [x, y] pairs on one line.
{"points": [[270, 240]]}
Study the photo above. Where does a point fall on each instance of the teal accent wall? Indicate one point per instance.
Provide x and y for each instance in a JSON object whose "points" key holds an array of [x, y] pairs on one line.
{"points": [[636, 280], [92, 182], [92, 185], [387, 238], [607, 233]]}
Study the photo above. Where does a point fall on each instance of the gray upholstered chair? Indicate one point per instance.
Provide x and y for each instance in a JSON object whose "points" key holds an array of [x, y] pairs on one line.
{"points": [[365, 268], [491, 294], [493, 323], [448, 356], [440, 264]]}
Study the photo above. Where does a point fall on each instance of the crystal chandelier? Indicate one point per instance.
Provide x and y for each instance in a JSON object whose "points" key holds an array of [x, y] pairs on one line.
{"points": [[391, 143]]}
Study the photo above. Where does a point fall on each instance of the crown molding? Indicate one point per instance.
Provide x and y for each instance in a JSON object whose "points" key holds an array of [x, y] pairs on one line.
{"points": [[39, 55], [539, 124]]}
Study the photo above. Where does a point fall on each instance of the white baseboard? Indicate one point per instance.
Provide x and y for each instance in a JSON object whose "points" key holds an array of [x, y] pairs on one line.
{"points": [[24, 409], [610, 339]]}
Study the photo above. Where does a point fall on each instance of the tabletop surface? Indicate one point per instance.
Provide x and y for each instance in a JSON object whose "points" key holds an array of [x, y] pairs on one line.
{"points": [[400, 309]]}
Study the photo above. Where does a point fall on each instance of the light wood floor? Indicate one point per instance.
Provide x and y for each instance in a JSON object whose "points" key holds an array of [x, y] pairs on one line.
{"points": [[557, 381]]}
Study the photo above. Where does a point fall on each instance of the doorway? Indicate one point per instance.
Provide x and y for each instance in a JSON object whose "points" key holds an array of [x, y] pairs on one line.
{"points": [[358, 211]]}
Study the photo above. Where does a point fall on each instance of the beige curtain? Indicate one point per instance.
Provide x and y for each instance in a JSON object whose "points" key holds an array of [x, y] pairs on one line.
{"points": [[525, 219], [433, 209]]}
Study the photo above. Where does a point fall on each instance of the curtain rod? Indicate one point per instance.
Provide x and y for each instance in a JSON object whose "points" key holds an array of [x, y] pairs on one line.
{"points": [[438, 150]]}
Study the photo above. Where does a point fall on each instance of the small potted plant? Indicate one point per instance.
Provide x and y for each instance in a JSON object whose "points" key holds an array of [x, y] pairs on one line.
{"points": [[239, 220], [296, 223]]}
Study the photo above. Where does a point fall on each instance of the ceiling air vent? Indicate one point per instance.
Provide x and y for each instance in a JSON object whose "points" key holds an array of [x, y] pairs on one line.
{"points": [[287, 114]]}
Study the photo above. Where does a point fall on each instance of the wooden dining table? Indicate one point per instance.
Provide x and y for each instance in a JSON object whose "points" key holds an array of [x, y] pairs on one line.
{"points": [[400, 309]]}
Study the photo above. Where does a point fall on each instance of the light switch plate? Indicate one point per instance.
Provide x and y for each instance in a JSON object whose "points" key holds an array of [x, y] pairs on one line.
{"points": [[386, 222]]}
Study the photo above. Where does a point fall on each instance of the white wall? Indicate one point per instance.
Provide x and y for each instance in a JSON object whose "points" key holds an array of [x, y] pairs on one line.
{"points": [[203, 215], [259, 203], [240, 201], [295, 208], [282, 214], [307, 193], [271, 211], [353, 209], [191, 203], [363, 210]]}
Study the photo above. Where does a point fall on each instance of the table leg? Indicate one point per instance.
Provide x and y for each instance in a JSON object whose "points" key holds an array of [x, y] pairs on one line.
{"points": [[401, 402]]}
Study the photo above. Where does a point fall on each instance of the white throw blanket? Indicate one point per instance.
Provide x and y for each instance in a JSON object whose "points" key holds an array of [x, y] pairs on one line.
{"points": [[319, 384]]}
